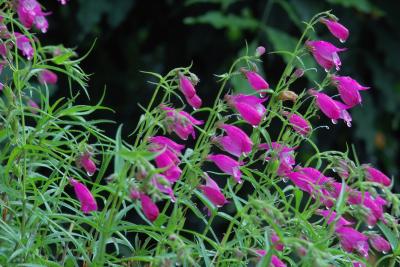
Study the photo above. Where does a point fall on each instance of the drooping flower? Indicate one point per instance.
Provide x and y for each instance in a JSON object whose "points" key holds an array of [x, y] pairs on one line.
{"points": [[255, 80], [34, 107], [212, 191], [275, 261], [348, 89], [88, 202], [379, 243], [41, 23], [24, 45], [227, 165], [195, 101], [330, 216], [168, 161], [331, 108], [149, 208], [180, 122], [299, 124], [86, 162], [283, 154], [376, 176], [164, 185], [351, 239], [47, 77], [337, 29], [276, 241], [325, 53], [27, 11], [374, 206], [188, 90], [162, 141], [236, 142], [250, 107]]}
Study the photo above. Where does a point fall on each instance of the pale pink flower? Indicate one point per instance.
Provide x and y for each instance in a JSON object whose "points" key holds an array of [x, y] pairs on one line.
{"points": [[149, 208], [212, 191], [88, 202], [325, 53], [260, 51], [337, 29], [227, 165]]}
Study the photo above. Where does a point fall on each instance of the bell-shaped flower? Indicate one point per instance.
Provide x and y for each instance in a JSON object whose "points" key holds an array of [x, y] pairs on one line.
{"points": [[331, 216], [160, 142], [337, 29], [24, 45], [212, 191], [331, 108], [27, 11], [164, 185], [187, 88], [195, 101], [351, 239], [47, 77], [227, 165], [379, 243], [255, 80], [149, 208], [275, 261], [86, 162], [282, 153], [168, 161], [236, 141], [299, 124], [375, 175], [325, 53], [348, 89], [85, 197], [250, 107], [180, 122]]}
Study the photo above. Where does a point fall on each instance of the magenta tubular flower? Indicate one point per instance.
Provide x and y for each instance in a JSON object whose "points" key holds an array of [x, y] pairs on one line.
{"points": [[237, 142], [180, 122], [275, 261], [374, 206], [337, 29], [195, 101], [256, 81], [299, 124], [275, 240], [27, 11], [166, 160], [284, 155], [88, 202], [212, 191], [331, 108], [351, 239], [134, 193], [88, 164], [162, 141], [325, 53], [41, 23], [376, 176], [302, 181], [250, 107], [227, 165], [47, 76], [330, 216], [186, 86], [348, 89], [358, 264], [24, 45], [379, 243], [164, 185], [149, 208]]}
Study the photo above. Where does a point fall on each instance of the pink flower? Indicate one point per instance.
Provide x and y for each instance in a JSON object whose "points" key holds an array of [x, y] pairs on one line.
{"points": [[34, 106], [299, 124], [227, 165], [358, 264], [376, 176], [256, 81], [63, 2], [237, 142], [41, 23], [162, 141], [331, 216], [24, 45], [149, 208], [325, 54], [260, 51], [88, 202], [351, 239], [88, 164], [337, 29], [167, 161], [379, 243], [348, 89], [195, 101], [374, 206], [284, 154], [276, 241], [186, 86], [164, 185], [134, 193], [331, 108], [27, 11], [250, 107], [47, 76], [180, 122], [212, 191], [275, 261]]}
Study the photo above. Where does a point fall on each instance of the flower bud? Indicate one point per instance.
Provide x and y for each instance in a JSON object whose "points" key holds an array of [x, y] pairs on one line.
{"points": [[260, 51], [288, 95]]}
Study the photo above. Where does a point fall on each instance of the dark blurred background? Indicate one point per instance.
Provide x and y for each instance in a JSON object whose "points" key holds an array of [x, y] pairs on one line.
{"points": [[160, 35]]}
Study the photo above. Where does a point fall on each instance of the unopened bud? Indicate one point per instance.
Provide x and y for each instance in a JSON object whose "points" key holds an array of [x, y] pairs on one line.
{"points": [[298, 73], [260, 51], [288, 95]]}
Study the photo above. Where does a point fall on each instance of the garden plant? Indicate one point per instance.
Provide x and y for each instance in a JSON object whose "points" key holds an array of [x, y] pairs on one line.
{"points": [[223, 185]]}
